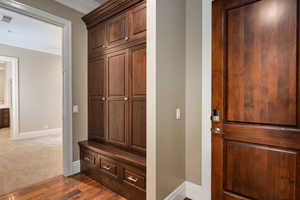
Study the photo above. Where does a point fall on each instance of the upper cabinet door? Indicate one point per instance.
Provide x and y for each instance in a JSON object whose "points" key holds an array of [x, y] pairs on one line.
{"points": [[97, 39], [96, 78], [137, 21], [117, 75], [117, 30]]}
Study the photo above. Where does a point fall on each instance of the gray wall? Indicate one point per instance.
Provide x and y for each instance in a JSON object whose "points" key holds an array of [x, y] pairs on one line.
{"points": [[40, 88], [193, 91], [170, 95], [79, 66]]}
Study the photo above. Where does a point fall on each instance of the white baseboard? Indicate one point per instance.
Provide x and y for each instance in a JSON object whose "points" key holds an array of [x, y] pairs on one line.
{"points": [[193, 191], [34, 134], [178, 193], [76, 167], [186, 189]]}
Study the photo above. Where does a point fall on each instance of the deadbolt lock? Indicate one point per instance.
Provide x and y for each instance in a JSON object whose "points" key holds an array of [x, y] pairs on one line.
{"points": [[216, 115]]}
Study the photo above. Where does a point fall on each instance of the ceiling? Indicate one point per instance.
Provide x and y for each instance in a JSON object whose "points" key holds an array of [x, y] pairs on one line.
{"points": [[83, 6], [26, 32]]}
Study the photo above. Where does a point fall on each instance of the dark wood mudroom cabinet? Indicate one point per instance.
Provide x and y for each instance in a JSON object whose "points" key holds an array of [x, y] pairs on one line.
{"points": [[4, 118], [115, 153]]}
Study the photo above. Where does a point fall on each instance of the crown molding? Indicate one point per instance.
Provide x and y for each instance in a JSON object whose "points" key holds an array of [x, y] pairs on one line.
{"points": [[107, 10], [83, 6]]}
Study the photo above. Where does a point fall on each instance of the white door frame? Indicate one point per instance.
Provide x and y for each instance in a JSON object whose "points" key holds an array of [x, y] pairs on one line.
{"points": [[13, 104], [67, 72]]}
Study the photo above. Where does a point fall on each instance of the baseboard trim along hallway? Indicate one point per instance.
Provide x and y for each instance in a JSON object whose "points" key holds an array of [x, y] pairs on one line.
{"points": [[76, 167], [40, 133], [186, 190]]}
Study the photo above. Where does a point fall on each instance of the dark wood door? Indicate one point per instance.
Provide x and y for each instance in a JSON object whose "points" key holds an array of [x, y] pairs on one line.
{"points": [[117, 97], [256, 102], [137, 22], [117, 30], [137, 136], [96, 99]]}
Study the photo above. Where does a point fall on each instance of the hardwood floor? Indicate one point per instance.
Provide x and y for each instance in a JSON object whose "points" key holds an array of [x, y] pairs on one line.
{"points": [[78, 187]]}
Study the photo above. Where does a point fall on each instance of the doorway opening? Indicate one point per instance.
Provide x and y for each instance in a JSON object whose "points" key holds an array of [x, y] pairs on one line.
{"points": [[19, 132]]}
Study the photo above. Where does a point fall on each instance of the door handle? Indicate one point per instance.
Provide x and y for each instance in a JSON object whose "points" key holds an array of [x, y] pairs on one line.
{"points": [[132, 179], [217, 131]]}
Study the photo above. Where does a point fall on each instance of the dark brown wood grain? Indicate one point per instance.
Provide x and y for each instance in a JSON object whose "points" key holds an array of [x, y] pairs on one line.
{"points": [[117, 127], [115, 152], [137, 134], [261, 78], [75, 187], [137, 19], [117, 75], [107, 10], [255, 88], [4, 118], [122, 171], [117, 30]]}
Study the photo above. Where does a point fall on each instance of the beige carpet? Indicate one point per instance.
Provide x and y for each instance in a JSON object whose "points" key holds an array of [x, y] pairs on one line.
{"points": [[30, 161]]}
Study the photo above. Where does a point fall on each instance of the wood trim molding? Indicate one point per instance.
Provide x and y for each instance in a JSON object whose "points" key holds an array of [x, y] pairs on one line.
{"points": [[108, 9]]}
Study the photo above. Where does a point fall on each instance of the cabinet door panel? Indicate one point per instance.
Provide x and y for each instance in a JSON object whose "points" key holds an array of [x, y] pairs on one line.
{"points": [[96, 78], [97, 38], [117, 122], [117, 30], [96, 118], [117, 74], [138, 68], [138, 125], [137, 21]]}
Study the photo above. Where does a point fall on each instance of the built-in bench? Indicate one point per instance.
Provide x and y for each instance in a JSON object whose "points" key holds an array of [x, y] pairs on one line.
{"points": [[122, 171]]}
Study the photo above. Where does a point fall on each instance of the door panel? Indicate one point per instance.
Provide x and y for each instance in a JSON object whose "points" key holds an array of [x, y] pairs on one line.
{"points": [[260, 172], [117, 122], [137, 21], [117, 30], [255, 107], [138, 125], [117, 74], [96, 118], [137, 136], [96, 77], [138, 67], [97, 39], [261, 83]]}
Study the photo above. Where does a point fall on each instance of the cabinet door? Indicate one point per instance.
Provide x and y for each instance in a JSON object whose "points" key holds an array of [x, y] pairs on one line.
{"points": [[96, 101], [117, 30], [96, 118], [137, 136], [137, 22], [97, 39], [96, 77], [117, 75], [117, 122], [117, 97]]}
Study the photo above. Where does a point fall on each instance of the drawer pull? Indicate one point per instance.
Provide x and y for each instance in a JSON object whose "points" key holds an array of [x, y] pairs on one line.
{"points": [[87, 159], [106, 167], [132, 179]]}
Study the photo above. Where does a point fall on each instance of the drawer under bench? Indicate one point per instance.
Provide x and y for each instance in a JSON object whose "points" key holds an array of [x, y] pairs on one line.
{"points": [[120, 171]]}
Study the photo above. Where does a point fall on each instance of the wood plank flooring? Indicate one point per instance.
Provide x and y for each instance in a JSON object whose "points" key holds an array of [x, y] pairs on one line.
{"points": [[78, 187]]}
